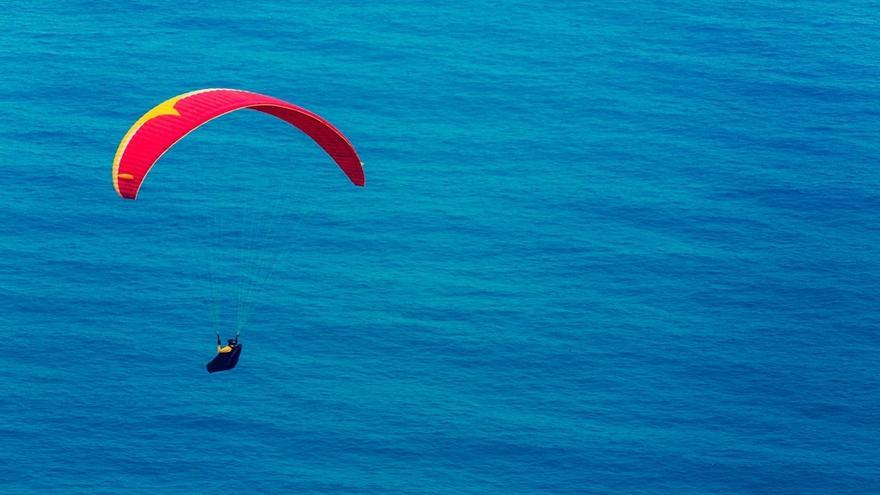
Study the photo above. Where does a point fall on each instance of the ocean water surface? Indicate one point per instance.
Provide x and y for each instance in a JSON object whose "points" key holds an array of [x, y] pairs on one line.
{"points": [[603, 248]]}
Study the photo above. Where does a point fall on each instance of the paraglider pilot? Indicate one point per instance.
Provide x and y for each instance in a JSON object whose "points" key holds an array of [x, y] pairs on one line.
{"points": [[227, 355], [230, 344]]}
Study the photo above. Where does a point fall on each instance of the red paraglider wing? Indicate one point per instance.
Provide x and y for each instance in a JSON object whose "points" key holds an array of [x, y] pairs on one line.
{"points": [[160, 128]]}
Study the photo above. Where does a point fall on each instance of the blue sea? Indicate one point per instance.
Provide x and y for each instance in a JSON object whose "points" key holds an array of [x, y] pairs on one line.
{"points": [[604, 248]]}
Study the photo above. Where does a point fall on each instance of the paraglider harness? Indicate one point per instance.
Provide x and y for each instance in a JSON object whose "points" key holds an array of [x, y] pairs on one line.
{"points": [[226, 360]]}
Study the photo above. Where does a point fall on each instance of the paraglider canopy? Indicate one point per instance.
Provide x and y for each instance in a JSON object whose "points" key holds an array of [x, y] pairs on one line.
{"points": [[160, 128]]}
